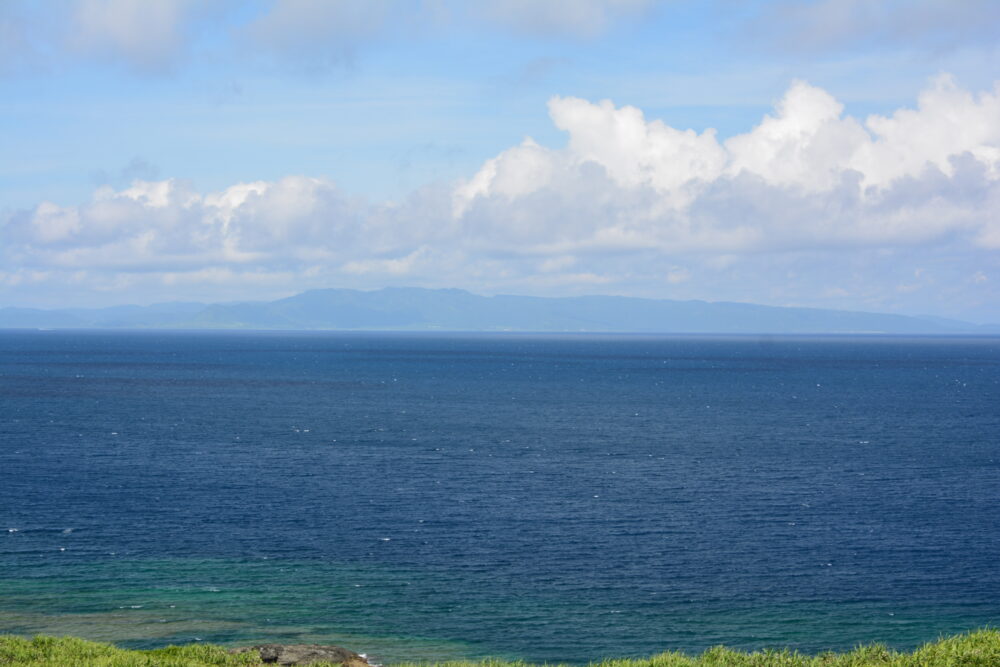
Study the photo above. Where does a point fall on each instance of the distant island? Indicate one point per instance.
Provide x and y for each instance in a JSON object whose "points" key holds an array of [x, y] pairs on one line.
{"points": [[418, 309]]}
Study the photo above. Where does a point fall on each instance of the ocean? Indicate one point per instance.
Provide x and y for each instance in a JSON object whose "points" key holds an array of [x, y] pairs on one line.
{"points": [[546, 497]]}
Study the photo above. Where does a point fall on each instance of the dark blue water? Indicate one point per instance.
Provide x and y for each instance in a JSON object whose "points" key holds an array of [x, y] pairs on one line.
{"points": [[556, 498]]}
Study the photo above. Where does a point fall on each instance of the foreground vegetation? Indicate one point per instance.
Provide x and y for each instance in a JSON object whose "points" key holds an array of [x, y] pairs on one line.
{"points": [[976, 649]]}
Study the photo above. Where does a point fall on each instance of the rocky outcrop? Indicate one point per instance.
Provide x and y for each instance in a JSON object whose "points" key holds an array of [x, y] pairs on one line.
{"points": [[304, 654]]}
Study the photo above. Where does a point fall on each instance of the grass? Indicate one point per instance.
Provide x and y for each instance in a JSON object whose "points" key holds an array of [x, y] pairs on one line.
{"points": [[975, 649]]}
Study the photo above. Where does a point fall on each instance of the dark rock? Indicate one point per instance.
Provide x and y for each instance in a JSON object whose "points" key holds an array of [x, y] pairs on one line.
{"points": [[303, 654]]}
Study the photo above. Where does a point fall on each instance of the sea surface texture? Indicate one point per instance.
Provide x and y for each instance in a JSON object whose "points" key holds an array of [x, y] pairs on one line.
{"points": [[552, 498]]}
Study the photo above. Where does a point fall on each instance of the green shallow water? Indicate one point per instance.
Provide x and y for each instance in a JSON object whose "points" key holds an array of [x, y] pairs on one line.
{"points": [[396, 615], [150, 603]]}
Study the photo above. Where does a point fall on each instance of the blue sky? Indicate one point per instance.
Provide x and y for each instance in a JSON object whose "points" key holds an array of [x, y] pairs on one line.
{"points": [[833, 153]]}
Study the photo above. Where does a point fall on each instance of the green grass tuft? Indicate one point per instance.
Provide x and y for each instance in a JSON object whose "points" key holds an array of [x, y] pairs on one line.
{"points": [[70, 651], [975, 649]]}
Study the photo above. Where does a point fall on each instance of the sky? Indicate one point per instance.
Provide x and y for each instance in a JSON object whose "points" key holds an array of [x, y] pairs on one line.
{"points": [[828, 153]]}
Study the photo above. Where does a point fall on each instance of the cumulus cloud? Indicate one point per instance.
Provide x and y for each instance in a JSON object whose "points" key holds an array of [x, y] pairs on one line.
{"points": [[805, 176], [628, 204]]}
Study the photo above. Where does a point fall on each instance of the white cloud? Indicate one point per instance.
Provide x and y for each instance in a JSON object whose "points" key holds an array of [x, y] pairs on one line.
{"points": [[628, 204], [948, 121], [396, 266], [147, 34], [52, 223], [806, 143], [805, 176], [633, 151], [165, 225], [677, 275]]}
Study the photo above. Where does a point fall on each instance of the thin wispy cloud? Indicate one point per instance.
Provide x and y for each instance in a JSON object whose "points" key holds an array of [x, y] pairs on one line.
{"points": [[148, 35], [843, 25], [154, 37], [566, 18], [316, 34]]}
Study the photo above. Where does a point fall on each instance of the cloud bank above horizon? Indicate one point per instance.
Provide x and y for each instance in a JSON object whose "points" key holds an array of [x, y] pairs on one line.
{"points": [[846, 153], [627, 205]]}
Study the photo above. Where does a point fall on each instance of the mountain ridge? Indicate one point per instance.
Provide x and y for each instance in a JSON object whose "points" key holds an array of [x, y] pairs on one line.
{"points": [[452, 309]]}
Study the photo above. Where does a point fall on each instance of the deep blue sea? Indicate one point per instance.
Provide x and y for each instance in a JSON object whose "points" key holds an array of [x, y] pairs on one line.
{"points": [[546, 497]]}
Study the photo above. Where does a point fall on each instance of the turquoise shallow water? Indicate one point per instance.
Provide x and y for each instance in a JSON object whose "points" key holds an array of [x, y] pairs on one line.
{"points": [[144, 604], [396, 616], [547, 498]]}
